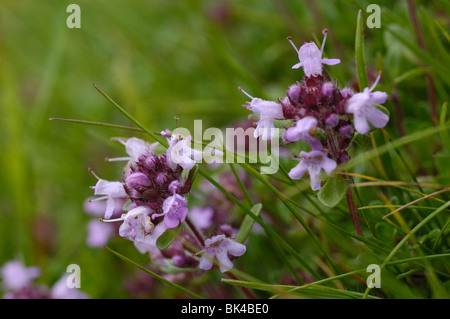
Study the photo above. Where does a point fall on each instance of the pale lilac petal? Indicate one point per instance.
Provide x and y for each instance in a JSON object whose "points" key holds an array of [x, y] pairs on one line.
{"points": [[265, 129], [267, 109], [379, 97], [302, 127], [187, 163], [377, 117], [315, 176], [202, 217], [175, 210], [225, 263], [328, 165], [331, 61], [110, 206], [16, 276], [135, 147], [360, 123], [96, 207], [356, 103], [206, 262], [61, 290], [298, 65], [312, 66], [234, 248], [113, 189], [99, 233], [125, 230], [298, 171], [148, 245], [181, 153], [308, 50], [171, 221], [136, 224]]}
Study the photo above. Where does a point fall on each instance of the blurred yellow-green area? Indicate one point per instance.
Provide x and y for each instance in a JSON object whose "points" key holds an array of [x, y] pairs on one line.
{"points": [[159, 59]]}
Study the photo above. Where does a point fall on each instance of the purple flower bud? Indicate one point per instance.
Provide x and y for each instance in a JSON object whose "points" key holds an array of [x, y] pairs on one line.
{"points": [[332, 120], [183, 261], [226, 230], [344, 158], [346, 93], [150, 163], [161, 178], [327, 89], [346, 130], [137, 180], [294, 92], [174, 186]]}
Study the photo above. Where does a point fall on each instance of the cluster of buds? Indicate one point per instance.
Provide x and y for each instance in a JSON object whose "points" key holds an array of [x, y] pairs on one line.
{"points": [[322, 115], [154, 190]]}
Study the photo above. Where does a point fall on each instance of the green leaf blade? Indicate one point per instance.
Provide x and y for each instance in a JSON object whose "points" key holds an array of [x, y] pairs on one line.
{"points": [[333, 191], [247, 224], [361, 72]]}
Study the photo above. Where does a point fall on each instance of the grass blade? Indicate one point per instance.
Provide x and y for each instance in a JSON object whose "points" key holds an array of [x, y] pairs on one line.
{"points": [[151, 273], [359, 54]]}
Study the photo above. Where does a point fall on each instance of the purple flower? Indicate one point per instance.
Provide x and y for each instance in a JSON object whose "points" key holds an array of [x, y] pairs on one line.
{"points": [[174, 210], [181, 153], [311, 57], [99, 233], [202, 217], [112, 191], [361, 105], [135, 147], [136, 224], [267, 111], [97, 208], [61, 290], [302, 131], [16, 276], [148, 245], [313, 162], [220, 247]]}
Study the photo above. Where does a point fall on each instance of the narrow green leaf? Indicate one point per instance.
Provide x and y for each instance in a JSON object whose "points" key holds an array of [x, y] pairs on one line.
{"points": [[247, 224], [441, 69], [413, 137], [409, 74], [166, 239], [406, 238], [156, 137], [445, 136], [363, 81], [383, 109], [122, 127], [316, 291], [333, 191], [151, 273]]}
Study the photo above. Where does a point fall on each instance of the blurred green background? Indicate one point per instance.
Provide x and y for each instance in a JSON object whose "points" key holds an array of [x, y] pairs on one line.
{"points": [[159, 59]]}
